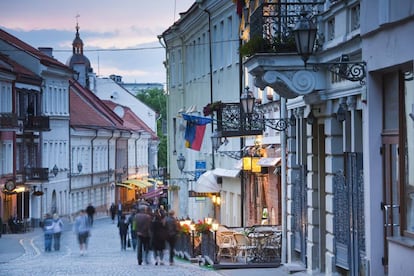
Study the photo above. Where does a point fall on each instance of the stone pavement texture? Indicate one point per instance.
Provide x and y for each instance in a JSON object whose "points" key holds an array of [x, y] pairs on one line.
{"points": [[23, 254]]}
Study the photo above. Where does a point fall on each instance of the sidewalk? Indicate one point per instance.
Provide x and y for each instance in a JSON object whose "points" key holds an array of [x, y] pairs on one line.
{"points": [[13, 246]]}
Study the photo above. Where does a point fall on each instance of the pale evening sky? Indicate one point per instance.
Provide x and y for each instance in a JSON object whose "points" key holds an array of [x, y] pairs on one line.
{"points": [[104, 25]]}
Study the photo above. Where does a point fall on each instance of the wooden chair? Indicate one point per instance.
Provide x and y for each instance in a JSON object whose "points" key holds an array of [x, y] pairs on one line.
{"points": [[226, 246], [243, 247]]}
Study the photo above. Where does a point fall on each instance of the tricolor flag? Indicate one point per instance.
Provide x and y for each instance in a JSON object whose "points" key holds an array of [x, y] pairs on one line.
{"points": [[194, 131]]}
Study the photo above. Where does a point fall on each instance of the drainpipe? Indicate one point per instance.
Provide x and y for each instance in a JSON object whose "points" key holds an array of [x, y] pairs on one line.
{"points": [[136, 154], [283, 180], [242, 181], [109, 156], [92, 161]]}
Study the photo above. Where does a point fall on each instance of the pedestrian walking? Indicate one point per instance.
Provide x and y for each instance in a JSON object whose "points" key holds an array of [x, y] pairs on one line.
{"points": [[133, 228], [172, 226], [123, 231], [120, 209], [57, 231], [159, 236], [143, 224], [82, 230], [48, 232], [112, 210], [90, 210]]}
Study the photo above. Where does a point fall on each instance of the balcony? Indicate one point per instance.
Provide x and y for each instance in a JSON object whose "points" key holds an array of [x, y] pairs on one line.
{"points": [[272, 57], [37, 123], [37, 174], [8, 121]]}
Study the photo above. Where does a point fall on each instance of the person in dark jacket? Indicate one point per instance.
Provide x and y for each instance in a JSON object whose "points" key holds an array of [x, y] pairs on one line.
{"points": [[90, 210], [133, 228], [112, 210], [159, 236], [123, 231], [172, 225], [143, 224]]}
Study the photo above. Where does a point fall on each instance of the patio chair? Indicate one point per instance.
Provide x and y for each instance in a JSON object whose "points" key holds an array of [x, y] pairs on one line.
{"points": [[243, 247], [272, 246], [226, 246]]}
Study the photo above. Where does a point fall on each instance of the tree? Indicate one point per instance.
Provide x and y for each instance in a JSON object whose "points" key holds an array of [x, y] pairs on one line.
{"points": [[155, 98]]}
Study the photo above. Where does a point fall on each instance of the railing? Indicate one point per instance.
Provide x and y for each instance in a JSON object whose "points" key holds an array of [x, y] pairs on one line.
{"points": [[37, 123], [41, 174], [8, 121], [271, 26]]}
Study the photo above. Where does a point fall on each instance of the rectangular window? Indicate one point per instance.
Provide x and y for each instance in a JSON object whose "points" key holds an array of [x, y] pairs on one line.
{"points": [[230, 43], [355, 17]]}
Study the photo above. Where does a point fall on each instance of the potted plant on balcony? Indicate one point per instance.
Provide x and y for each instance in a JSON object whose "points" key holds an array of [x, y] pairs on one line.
{"points": [[211, 107]]}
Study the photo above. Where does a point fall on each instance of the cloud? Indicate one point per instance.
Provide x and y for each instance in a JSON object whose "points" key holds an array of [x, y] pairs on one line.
{"points": [[120, 37]]}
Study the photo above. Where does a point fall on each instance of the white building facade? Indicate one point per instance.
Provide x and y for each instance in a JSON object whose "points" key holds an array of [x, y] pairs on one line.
{"points": [[202, 68]]}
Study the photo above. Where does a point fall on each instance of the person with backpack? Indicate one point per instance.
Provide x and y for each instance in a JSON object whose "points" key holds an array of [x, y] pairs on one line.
{"points": [[48, 225]]}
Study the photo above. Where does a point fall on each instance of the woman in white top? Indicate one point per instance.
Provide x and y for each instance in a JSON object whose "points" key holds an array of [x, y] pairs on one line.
{"points": [[57, 231]]}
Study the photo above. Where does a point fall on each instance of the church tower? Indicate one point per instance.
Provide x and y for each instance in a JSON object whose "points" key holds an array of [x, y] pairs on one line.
{"points": [[80, 63]]}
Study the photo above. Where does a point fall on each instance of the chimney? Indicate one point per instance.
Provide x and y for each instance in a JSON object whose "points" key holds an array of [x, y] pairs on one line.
{"points": [[47, 51]]}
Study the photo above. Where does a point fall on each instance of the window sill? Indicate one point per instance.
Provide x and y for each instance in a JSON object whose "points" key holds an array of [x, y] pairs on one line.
{"points": [[403, 241]]}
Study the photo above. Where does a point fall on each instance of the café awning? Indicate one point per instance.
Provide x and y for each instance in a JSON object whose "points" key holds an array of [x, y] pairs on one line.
{"points": [[125, 186], [226, 172], [154, 193], [269, 161], [207, 183], [138, 183]]}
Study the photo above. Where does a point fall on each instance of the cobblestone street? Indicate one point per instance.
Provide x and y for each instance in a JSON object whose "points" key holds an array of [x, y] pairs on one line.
{"points": [[104, 256]]}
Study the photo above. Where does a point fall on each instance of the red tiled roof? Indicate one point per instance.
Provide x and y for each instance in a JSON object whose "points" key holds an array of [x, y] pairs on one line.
{"points": [[22, 73], [131, 120], [87, 110], [43, 58]]}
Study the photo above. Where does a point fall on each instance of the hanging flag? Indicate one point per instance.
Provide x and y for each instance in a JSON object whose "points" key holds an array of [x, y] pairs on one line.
{"points": [[194, 131]]}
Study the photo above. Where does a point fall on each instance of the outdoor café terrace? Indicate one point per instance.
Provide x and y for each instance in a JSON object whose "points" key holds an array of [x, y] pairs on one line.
{"points": [[229, 247]]}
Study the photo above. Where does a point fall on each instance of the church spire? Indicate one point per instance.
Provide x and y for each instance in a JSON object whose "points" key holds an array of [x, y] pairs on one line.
{"points": [[77, 42]]}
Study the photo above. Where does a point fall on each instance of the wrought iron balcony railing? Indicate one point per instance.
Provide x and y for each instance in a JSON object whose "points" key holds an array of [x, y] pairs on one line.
{"points": [[37, 123], [40, 174], [271, 26], [8, 121]]}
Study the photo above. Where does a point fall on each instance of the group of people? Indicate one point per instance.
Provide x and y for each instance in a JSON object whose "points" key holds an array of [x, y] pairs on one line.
{"points": [[52, 227], [150, 230]]}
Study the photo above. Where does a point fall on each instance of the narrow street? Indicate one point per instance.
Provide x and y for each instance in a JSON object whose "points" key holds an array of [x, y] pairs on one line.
{"points": [[23, 254]]}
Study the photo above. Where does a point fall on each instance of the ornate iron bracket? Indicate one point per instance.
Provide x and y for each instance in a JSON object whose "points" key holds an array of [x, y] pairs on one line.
{"points": [[279, 124], [352, 71]]}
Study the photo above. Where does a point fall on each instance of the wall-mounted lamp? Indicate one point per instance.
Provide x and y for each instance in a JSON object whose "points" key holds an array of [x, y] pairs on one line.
{"points": [[311, 118], [216, 199], [305, 35], [341, 113], [181, 164], [55, 170], [247, 101]]}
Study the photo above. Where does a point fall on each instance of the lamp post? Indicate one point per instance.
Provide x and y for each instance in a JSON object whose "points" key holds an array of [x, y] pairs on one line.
{"points": [[192, 228], [215, 227]]}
